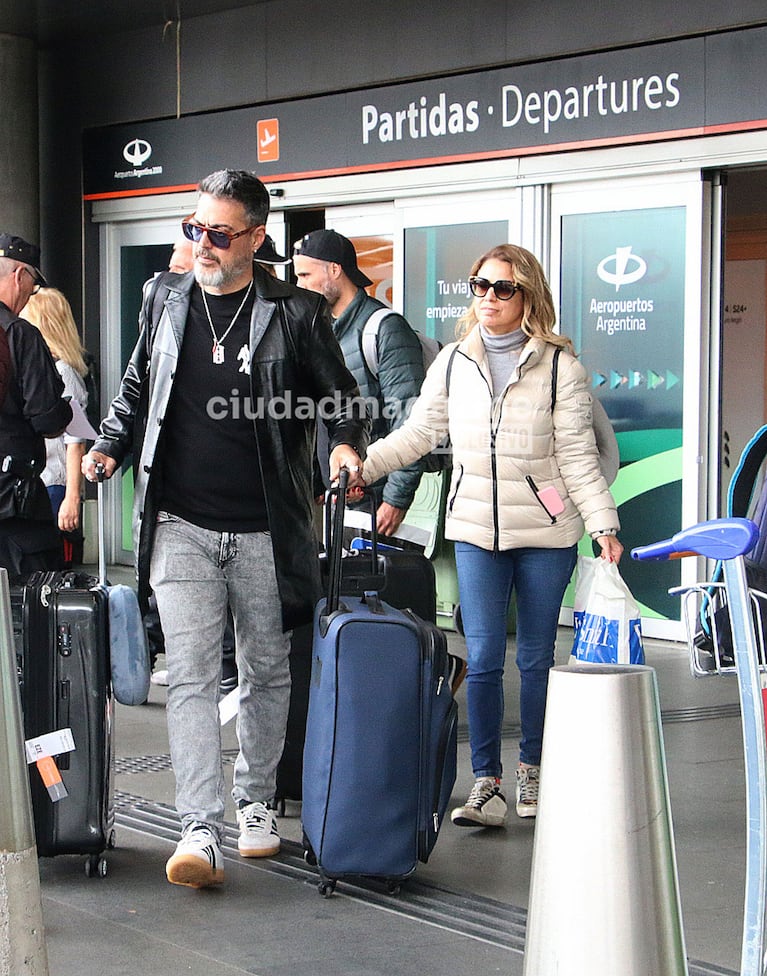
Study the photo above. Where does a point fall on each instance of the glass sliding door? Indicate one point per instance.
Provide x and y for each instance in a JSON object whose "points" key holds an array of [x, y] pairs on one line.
{"points": [[626, 271]]}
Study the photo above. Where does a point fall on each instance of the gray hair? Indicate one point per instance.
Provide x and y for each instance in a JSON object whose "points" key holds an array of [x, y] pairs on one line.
{"points": [[242, 186], [7, 267]]}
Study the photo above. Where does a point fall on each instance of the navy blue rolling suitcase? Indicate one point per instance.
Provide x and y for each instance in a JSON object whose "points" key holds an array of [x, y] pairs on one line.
{"points": [[380, 753]]}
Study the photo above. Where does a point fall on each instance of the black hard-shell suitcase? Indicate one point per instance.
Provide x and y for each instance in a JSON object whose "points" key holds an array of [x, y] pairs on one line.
{"points": [[60, 632], [380, 752]]}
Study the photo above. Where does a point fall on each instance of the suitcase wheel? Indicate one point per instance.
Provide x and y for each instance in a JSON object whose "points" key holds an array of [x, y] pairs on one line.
{"points": [[326, 887], [393, 887], [309, 856], [96, 866]]}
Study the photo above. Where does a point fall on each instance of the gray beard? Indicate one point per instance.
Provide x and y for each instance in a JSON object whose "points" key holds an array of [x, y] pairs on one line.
{"points": [[220, 277], [212, 279]]}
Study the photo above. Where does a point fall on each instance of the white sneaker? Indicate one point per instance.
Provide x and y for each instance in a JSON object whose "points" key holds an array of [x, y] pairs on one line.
{"points": [[527, 790], [159, 677], [485, 807], [258, 831], [197, 861]]}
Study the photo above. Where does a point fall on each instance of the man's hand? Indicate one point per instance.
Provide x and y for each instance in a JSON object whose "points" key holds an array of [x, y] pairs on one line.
{"points": [[92, 458], [344, 456], [389, 518]]}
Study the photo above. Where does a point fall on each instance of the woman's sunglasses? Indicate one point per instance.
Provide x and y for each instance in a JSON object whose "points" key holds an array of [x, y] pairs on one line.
{"points": [[221, 239], [504, 290]]}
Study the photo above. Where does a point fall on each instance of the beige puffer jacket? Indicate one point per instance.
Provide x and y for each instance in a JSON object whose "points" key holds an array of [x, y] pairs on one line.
{"points": [[497, 446]]}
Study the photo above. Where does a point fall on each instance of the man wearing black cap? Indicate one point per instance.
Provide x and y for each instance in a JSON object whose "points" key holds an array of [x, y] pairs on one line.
{"points": [[325, 262], [31, 411]]}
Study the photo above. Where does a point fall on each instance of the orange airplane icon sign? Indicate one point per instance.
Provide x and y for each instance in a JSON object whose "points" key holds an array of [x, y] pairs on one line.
{"points": [[268, 135]]}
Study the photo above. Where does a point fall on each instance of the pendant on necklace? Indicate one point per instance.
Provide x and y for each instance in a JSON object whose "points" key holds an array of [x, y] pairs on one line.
{"points": [[218, 353]]}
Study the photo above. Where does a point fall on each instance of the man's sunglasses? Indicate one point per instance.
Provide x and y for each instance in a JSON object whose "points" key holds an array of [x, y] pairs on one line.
{"points": [[504, 290], [221, 239]]}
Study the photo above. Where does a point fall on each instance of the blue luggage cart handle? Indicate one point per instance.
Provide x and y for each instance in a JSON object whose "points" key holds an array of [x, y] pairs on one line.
{"points": [[729, 540], [718, 539]]}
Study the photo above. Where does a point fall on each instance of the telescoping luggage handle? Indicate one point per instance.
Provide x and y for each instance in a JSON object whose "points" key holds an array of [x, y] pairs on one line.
{"points": [[100, 474], [332, 534], [334, 531]]}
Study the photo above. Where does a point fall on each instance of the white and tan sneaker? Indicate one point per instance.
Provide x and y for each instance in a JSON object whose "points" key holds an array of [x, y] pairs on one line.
{"points": [[528, 778], [258, 831], [197, 861]]}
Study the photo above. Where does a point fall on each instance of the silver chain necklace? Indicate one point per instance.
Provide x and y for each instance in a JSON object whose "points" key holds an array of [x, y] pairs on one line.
{"points": [[218, 347]]}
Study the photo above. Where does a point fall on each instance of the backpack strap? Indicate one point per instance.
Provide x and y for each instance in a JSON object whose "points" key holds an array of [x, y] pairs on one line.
{"points": [[370, 339], [449, 370], [554, 375]]}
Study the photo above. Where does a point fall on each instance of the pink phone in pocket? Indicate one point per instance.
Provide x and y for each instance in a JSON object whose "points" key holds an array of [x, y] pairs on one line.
{"points": [[551, 500]]}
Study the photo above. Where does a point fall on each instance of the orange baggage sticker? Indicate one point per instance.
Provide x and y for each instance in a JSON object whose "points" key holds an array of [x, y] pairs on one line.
{"points": [[268, 137], [51, 777], [41, 751]]}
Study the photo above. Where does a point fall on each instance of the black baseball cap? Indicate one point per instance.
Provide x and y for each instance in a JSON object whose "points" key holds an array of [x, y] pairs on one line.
{"points": [[18, 249], [329, 245], [267, 253]]}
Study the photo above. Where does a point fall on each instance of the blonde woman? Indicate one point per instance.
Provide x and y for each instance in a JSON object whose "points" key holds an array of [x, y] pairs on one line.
{"points": [[51, 313], [526, 480]]}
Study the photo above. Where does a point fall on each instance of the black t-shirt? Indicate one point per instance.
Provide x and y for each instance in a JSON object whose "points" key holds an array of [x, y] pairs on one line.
{"points": [[210, 471]]}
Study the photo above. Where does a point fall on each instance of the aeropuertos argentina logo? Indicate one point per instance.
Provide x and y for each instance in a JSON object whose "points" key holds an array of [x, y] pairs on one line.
{"points": [[622, 268], [136, 153]]}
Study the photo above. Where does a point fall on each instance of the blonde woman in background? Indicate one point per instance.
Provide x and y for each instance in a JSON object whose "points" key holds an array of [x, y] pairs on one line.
{"points": [[51, 313]]}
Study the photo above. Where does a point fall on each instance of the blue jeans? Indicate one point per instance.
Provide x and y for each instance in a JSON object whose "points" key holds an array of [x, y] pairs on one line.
{"points": [[56, 494], [485, 582], [195, 574]]}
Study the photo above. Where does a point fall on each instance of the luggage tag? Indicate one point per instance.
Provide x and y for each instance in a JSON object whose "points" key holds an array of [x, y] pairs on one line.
{"points": [[41, 751]]}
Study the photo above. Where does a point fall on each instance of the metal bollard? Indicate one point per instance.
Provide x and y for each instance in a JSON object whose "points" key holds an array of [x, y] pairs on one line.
{"points": [[604, 893], [22, 936]]}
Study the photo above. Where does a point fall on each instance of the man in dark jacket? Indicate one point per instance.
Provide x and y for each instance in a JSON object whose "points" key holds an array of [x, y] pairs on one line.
{"points": [[32, 409], [325, 262], [217, 406]]}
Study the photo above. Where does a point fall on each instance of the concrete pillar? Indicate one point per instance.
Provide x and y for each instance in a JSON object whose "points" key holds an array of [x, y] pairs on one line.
{"points": [[19, 167], [22, 937], [604, 893]]}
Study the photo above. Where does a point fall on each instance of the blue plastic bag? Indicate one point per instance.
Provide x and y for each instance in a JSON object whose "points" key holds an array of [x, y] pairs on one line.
{"points": [[607, 621]]}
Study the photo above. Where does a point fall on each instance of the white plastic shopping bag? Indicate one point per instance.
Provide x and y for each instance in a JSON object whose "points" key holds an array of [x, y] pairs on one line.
{"points": [[606, 616]]}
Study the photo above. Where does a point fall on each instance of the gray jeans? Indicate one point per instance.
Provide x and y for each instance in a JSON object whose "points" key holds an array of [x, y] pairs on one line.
{"points": [[195, 574]]}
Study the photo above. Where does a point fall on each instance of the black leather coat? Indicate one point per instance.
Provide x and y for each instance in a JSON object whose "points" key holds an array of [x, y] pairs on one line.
{"points": [[295, 359]]}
